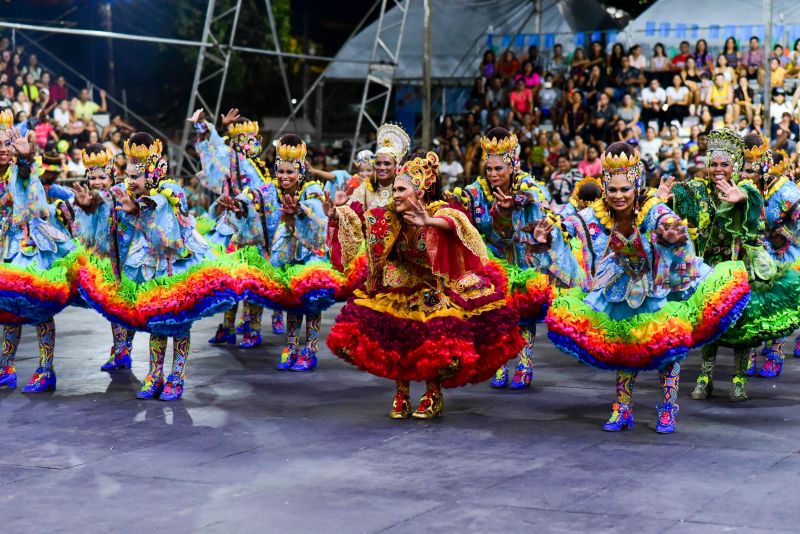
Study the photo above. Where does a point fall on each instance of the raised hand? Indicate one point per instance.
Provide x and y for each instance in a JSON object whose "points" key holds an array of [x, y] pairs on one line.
{"points": [[665, 188], [20, 143], [730, 193], [290, 205], [83, 196], [230, 116], [126, 203], [503, 200], [671, 231], [542, 231], [198, 116], [417, 216], [229, 203]]}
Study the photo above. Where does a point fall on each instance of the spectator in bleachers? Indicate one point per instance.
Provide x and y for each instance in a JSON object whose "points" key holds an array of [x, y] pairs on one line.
{"points": [[83, 108], [578, 66], [731, 52], [678, 100], [451, 170], [723, 68], [32, 67], [779, 105], [495, 101], [659, 63], [487, 65], [599, 127], [58, 90], [653, 99], [591, 166], [508, 66], [557, 64], [577, 151], [684, 53], [563, 180], [754, 55], [720, 98], [521, 100], [5, 101], [702, 57], [743, 99], [778, 52], [530, 76], [777, 72], [75, 163], [575, 117]]}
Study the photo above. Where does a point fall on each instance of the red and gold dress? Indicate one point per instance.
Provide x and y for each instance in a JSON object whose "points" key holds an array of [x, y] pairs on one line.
{"points": [[433, 308]]}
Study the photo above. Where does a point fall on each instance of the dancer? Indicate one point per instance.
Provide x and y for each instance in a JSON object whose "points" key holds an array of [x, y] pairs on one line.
{"points": [[94, 213], [163, 279], [37, 259], [297, 252], [433, 308], [726, 210], [228, 169], [586, 191], [503, 206], [767, 170], [640, 298]]}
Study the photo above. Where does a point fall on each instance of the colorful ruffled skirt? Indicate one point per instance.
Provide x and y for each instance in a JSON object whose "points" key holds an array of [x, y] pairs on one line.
{"points": [[773, 311], [307, 289], [166, 305], [529, 292], [397, 334], [649, 340], [31, 296]]}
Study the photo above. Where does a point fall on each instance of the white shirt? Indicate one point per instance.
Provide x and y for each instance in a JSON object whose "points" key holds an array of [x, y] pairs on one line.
{"points": [[640, 63], [650, 147], [776, 111], [677, 95], [75, 169], [61, 117], [452, 170], [648, 95]]}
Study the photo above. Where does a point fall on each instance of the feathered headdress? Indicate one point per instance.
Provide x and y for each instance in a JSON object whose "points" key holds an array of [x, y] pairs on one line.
{"points": [[423, 172], [506, 149], [393, 140]]}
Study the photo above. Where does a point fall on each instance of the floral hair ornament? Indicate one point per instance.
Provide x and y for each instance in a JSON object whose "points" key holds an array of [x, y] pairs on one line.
{"points": [[779, 169], [506, 149], [147, 160], [728, 144], [392, 140], [575, 198], [365, 156], [760, 155], [422, 172], [295, 155], [631, 166], [6, 119]]}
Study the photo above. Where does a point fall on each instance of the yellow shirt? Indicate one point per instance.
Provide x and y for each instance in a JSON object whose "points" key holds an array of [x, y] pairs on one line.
{"points": [[84, 110]]}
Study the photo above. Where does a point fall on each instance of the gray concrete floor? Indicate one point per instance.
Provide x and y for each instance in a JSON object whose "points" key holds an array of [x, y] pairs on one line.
{"points": [[252, 449]]}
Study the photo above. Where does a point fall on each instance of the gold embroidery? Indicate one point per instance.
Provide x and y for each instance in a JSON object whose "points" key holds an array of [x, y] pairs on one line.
{"points": [[467, 233], [349, 235]]}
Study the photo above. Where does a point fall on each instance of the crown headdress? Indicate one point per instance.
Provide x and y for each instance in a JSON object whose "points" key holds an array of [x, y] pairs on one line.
{"points": [[499, 147], [630, 165], [245, 127], [575, 198], [728, 144], [294, 154], [779, 169], [393, 140], [141, 153], [6, 119], [98, 159], [757, 152], [423, 171]]}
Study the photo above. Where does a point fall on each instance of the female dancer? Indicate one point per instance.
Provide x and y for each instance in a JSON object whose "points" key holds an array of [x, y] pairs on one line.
{"points": [[433, 309], [229, 168], [94, 211], [163, 280], [36, 265], [643, 298], [767, 170], [502, 206], [726, 210]]}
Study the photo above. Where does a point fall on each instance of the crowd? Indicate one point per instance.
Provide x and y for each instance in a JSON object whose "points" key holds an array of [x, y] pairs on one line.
{"points": [[566, 108]]}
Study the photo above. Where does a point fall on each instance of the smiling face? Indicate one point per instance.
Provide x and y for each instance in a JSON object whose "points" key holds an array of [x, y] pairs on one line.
{"points": [[366, 170], [749, 171], [135, 180], [99, 180], [498, 172], [720, 169], [620, 193], [405, 196], [287, 174], [6, 150], [385, 168]]}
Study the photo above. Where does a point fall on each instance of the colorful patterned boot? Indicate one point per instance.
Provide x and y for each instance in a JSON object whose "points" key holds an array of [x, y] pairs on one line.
{"points": [[666, 417], [500, 379], [621, 418], [42, 380]]}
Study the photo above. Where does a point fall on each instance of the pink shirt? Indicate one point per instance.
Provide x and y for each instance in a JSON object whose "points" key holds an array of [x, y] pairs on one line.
{"points": [[588, 168]]}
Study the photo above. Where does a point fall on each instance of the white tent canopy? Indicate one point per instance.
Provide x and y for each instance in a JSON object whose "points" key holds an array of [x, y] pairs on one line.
{"points": [[672, 21], [459, 33]]}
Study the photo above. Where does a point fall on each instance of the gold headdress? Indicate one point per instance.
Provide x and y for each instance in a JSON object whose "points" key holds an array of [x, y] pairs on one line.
{"points": [[728, 144], [424, 172], [499, 147], [294, 154], [245, 127], [97, 160], [631, 166], [141, 153], [6, 119], [757, 152], [393, 140], [575, 198], [779, 169]]}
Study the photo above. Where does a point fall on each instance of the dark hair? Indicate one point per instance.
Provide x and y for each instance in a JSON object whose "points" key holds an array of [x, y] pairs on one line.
{"points": [[291, 140], [752, 140], [142, 138], [732, 39], [777, 157], [620, 147], [486, 55], [752, 37], [589, 192], [95, 148], [499, 133], [659, 46]]}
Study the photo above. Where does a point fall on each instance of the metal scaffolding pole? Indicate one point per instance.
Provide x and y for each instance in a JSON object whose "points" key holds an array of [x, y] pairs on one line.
{"points": [[382, 68]]}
